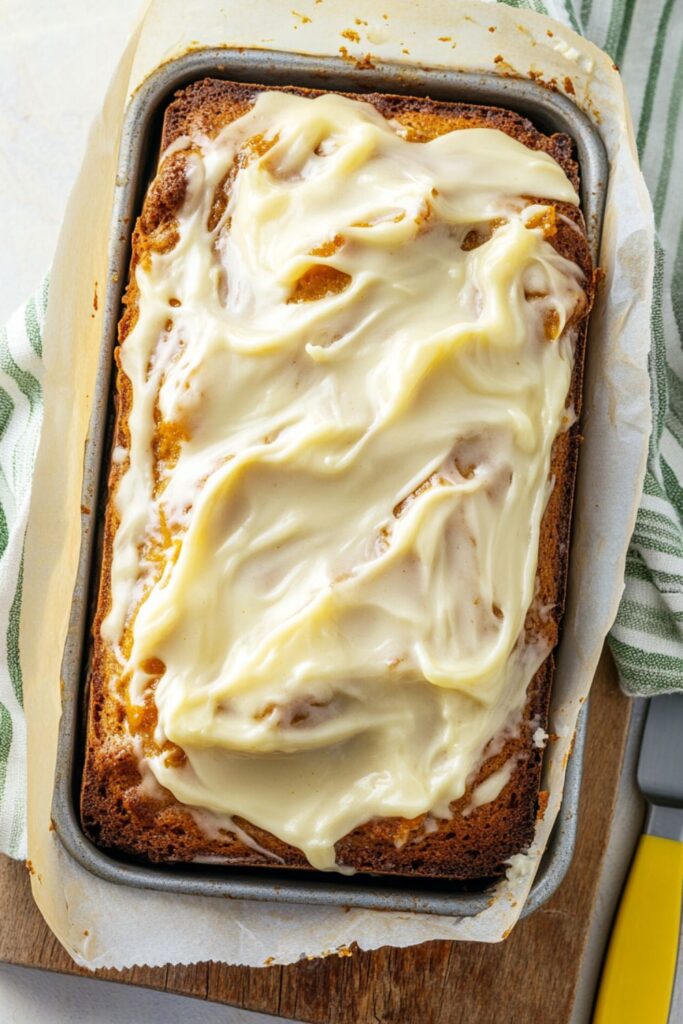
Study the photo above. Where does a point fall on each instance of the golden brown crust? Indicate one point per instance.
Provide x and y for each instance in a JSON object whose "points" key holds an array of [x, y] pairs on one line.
{"points": [[121, 815]]}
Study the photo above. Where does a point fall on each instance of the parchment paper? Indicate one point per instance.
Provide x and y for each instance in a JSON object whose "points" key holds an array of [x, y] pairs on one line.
{"points": [[104, 925]]}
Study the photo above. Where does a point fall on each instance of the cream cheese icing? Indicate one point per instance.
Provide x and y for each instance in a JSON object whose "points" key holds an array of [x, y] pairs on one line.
{"points": [[355, 505]]}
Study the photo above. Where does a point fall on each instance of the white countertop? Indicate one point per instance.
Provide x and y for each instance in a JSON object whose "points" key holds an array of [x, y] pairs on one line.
{"points": [[37, 997], [56, 60]]}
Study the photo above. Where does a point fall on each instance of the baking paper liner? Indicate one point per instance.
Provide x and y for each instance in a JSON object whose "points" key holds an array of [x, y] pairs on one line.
{"points": [[105, 925]]}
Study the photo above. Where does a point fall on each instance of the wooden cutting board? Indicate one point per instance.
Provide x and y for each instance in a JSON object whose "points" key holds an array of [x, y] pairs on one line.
{"points": [[435, 983]]}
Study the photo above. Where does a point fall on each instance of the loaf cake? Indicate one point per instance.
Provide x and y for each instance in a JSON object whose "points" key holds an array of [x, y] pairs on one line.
{"points": [[338, 515]]}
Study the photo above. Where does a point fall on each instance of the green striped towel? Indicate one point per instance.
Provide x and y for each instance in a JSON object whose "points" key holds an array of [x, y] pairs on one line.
{"points": [[21, 413], [645, 38]]}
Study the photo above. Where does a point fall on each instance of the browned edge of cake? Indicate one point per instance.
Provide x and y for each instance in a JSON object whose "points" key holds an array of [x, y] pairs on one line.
{"points": [[117, 814]]}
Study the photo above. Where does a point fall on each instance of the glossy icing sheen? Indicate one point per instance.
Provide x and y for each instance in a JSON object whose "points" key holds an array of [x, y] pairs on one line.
{"points": [[361, 478]]}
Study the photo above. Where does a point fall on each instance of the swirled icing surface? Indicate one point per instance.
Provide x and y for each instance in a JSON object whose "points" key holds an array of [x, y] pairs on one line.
{"points": [[363, 363]]}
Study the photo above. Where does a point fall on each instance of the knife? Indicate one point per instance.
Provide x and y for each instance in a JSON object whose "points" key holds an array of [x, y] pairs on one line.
{"points": [[640, 967]]}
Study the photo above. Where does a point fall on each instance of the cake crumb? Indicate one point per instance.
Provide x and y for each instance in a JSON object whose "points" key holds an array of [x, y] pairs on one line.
{"points": [[362, 63]]}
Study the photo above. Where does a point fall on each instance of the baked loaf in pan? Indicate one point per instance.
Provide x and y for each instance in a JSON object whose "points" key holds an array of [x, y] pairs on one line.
{"points": [[146, 794]]}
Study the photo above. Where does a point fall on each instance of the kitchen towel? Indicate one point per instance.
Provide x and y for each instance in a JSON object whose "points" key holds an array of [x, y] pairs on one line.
{"points": [[645, 38], [21, 413]]}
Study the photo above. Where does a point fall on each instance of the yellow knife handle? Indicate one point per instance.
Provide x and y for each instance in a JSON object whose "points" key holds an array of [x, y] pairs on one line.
{"points": [[637, 979]]}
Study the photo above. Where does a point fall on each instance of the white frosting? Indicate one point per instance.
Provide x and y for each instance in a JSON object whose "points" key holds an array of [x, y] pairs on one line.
{"points": [[334, 648], [491, 787], [540, 738]]}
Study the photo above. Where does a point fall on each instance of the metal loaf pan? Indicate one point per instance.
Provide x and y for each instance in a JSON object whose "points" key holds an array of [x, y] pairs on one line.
{"points": [[137, 163]]}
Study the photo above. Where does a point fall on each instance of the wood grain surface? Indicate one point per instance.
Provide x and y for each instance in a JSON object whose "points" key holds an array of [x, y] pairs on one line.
{"points": [[535, 970]]}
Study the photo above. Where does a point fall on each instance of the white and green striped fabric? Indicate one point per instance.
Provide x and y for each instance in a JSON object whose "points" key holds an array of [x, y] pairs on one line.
{"points": [[645, 38], [21, 413]]}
